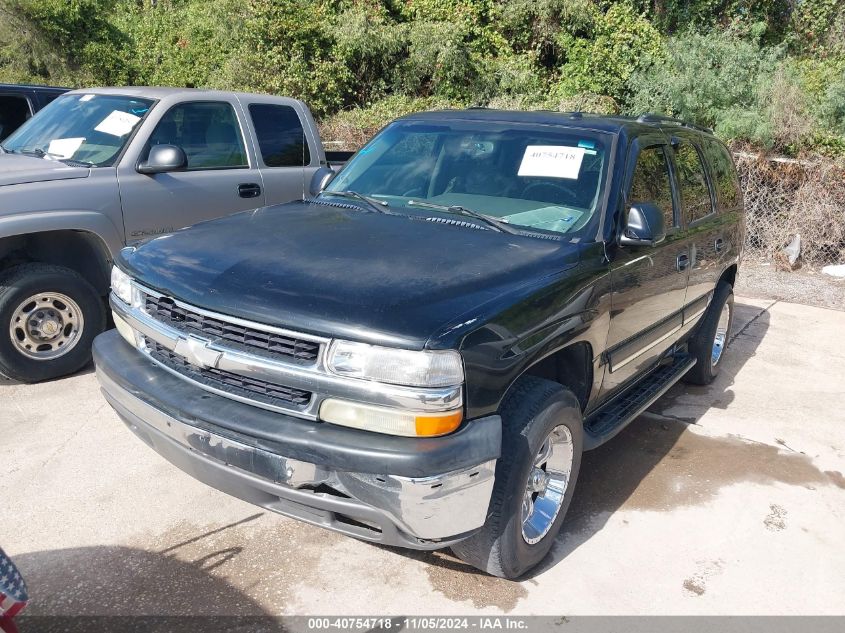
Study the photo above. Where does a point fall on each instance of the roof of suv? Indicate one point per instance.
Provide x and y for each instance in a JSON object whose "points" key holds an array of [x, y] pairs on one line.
{"points": [[37, 87], [158, 92], [570, 119]]}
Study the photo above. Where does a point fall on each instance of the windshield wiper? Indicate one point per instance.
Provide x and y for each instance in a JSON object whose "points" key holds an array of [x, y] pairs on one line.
{"points": [[31, 151], [380, 206], [494, 223]]}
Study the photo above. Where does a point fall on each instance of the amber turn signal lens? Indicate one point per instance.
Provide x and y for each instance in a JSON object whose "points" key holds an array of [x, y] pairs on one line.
{"points": [[431, 425]]}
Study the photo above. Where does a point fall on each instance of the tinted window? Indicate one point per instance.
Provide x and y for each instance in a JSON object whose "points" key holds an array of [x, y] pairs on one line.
{"points": [[207, 131], [725, 178], [280, 135], [13, 112], [651, 182], [695, 194]]}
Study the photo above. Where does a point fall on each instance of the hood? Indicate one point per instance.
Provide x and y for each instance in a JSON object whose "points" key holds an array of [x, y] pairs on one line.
{"points": [[16, 170], [346, 273]]}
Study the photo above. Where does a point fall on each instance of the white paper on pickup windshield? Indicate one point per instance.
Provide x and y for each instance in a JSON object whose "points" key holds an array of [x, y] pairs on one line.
{"points": [[64, 147], [552, 161], [118, 123]]}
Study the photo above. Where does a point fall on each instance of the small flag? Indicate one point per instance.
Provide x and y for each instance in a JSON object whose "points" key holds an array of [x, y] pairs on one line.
{"points": [[13, 594]]}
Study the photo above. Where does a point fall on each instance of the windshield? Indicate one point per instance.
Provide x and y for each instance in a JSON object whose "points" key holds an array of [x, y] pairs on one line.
{"points": [[537, 177], [82, 128]]}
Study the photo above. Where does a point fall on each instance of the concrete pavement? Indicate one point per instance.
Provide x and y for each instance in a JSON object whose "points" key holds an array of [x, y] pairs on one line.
{"points": [[728, 499]]}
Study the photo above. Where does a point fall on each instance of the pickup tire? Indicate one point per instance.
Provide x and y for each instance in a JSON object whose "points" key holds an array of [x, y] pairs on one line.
{"points": [[536, 413], [49, 316], [707, 345]]}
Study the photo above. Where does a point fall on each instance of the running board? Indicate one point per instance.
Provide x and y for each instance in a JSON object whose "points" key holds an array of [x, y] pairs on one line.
{"points": [[614, 416]]}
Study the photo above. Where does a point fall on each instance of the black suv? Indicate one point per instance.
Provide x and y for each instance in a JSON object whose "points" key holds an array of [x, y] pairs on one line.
{"points": [[19, 102], [419, 354]]}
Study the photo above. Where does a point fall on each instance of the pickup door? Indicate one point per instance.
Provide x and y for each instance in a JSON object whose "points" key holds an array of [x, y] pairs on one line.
{"points": [[240, 156]]}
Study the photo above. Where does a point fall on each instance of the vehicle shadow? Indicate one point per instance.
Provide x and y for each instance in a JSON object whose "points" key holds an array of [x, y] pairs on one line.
{"points": [[115, 588], [614, 473]]}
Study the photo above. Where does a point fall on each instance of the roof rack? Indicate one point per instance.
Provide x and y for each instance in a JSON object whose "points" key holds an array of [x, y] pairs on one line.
{"points": [[665, 120]]}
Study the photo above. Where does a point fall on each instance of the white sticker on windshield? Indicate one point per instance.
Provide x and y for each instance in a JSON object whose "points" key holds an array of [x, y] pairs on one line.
{"points": [[86, 97], [552, 161], [64, 147], [118, 123]]}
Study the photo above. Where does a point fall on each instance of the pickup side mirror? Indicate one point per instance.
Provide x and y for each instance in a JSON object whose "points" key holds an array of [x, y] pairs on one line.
{"points": [[321, 178], [164, 158], [645, 225]]}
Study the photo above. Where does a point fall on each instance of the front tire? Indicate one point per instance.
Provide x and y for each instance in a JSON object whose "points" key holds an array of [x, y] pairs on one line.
{"points": [[542, 442], [49, 316]]}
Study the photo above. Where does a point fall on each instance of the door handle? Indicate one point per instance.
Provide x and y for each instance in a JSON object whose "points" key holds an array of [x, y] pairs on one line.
{"points": [[682, 262], [719, 245], [249, 190]]}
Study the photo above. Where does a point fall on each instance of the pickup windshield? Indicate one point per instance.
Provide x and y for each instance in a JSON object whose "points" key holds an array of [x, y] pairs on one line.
{"points": [[539, 177], [80, 128]]}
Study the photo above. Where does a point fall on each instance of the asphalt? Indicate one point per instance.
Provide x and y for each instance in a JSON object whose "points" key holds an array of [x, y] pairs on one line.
{"points": [[728, 499]]}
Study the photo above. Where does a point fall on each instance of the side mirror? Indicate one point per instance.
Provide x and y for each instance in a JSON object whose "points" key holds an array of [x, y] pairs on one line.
{"points": [[645, 225], [320, 180], [164, 158]]}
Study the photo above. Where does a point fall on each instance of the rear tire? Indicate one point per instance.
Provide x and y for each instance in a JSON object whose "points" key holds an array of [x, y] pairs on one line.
{"points": [[534, 411], [49, 316], [711, 338]]}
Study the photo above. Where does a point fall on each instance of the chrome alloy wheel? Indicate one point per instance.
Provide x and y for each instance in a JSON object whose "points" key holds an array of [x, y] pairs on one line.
{"points": [[547, 483], [721, 338], [46, 326]]}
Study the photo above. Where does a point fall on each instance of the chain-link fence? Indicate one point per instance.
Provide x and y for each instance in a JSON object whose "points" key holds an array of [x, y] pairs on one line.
{"points": [[786, 197]]}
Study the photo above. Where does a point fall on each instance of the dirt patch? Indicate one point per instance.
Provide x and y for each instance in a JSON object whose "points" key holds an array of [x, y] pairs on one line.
{"points": [[776, 519], [697, 583], [806, 285], [658, 465], [460, 583]]}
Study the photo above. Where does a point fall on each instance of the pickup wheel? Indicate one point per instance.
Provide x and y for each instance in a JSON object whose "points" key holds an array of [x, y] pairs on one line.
{"points": [[535, 477], [708, 343], [49, 316]]}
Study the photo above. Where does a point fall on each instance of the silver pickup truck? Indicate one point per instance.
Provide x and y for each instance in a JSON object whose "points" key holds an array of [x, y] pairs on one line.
{"points": [[100, 169]]}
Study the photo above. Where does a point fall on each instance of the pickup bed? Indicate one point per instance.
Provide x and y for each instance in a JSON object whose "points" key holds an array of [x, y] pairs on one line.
{"points": [[419, 355], [98, 169]]}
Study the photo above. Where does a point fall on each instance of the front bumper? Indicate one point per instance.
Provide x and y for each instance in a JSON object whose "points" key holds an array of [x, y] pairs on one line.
{"points": [[422, 493]]}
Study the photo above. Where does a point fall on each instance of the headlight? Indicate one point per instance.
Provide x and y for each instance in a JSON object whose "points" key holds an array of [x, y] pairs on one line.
{"points": [[396, 366], [391, 421], [121, 285]]}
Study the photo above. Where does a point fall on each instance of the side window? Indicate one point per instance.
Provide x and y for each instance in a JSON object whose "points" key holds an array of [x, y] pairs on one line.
{"points": [[651, 182], [280, 135], [14, 111], [207, 131], [695, 194], [725, 179]]}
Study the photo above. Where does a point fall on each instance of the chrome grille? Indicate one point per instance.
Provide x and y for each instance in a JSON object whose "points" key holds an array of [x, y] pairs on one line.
{"points": [[166, 310], [252, 388]]}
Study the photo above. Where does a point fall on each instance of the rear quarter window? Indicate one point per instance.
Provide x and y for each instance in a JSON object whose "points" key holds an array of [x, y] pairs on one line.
{"points": [[724, 176], [281, 138]]}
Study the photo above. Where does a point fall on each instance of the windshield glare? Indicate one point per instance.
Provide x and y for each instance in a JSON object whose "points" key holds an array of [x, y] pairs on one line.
{"points": [[83, 128], [538, 177]]}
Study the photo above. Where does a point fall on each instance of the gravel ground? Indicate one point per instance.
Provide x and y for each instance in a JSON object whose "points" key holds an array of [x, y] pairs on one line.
{"points": [[805, 285]]}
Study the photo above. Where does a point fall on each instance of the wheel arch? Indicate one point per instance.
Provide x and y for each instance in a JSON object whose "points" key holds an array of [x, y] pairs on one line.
{"points": [[82, 251], [729, 274], [570, 366]]}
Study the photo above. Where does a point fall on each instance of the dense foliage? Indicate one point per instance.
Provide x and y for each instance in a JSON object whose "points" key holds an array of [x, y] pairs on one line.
{"points": [[768, 72]]}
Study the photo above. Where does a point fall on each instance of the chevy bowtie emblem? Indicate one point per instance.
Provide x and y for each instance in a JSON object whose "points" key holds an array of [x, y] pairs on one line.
{"points": [[197, 352]]}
